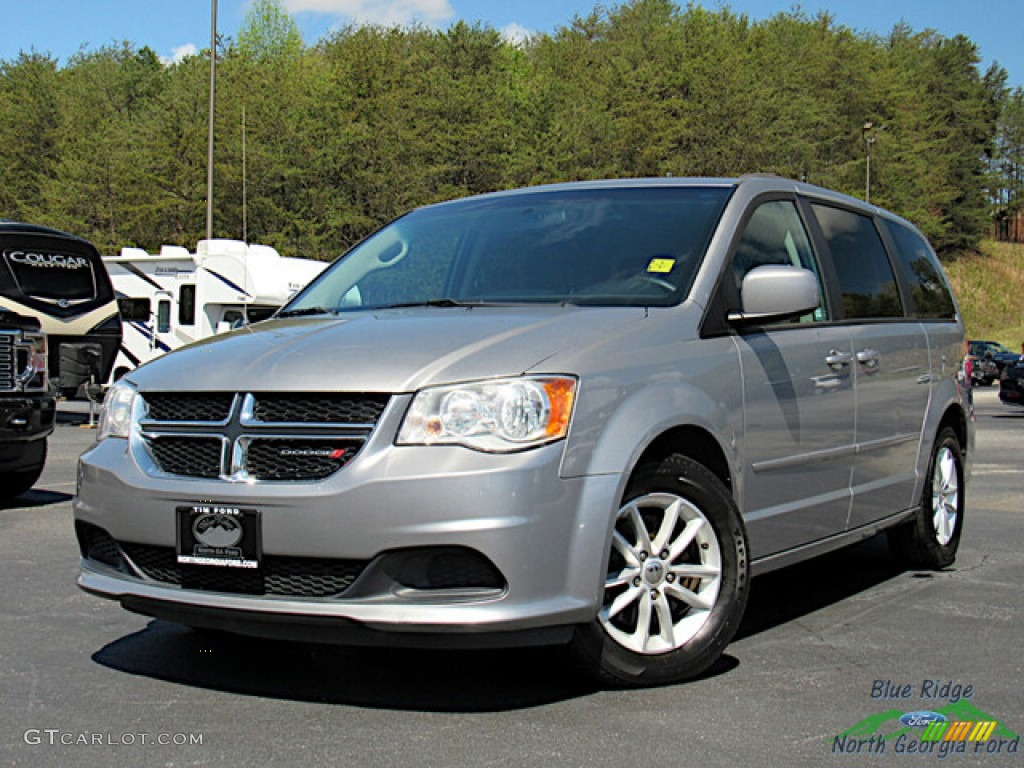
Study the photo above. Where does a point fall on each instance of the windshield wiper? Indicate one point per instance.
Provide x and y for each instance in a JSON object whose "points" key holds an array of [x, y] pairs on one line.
{"points": [[306, 311], [434, 303]]}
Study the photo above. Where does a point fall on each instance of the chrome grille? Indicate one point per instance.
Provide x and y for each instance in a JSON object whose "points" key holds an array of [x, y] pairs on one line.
{"points": [[7, 362], [277, 436]]}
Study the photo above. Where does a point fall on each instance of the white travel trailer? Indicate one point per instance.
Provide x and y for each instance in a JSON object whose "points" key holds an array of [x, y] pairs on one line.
{"points": [[174, 298]]}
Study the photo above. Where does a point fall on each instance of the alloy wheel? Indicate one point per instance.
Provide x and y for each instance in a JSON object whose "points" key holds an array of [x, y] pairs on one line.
{"points": [[664, 574]]}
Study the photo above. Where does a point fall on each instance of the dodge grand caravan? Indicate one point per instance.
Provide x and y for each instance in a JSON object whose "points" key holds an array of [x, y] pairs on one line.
{"points": [[584, 413]]}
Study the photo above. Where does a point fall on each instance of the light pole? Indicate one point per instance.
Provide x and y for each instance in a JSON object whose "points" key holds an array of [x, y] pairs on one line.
{"points": [[209, 147], [869, 139]]}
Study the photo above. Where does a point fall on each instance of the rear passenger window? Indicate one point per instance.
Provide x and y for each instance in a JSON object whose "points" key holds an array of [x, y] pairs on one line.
{"points": [[775, 235], [866, 279], [921, 271]]}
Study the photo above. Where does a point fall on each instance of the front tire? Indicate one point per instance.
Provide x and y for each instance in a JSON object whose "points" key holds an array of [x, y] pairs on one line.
{"points": [[677, 579], [931, 538], [14, 484]]}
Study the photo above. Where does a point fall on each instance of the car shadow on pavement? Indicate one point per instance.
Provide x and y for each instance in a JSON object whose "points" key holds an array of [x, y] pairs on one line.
{"points": [[790, 593], [36, 498], [378, 678]]}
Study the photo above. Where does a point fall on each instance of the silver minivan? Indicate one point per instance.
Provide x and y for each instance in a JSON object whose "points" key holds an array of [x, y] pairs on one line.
{"points": [[584, 413]]}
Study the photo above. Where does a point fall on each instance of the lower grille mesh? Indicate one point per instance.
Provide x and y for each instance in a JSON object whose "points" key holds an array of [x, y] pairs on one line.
{"points": [[277, 575], [96, 544]]}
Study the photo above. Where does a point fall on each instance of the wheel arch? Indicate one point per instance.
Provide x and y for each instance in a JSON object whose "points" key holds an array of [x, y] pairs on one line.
{"points": [[654, 422], [695, 443], [955, 419]]}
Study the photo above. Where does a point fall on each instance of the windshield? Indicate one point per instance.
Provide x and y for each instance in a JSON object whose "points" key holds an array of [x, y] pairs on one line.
{"points": [[981, 347], [51, 276], [618, 247]]}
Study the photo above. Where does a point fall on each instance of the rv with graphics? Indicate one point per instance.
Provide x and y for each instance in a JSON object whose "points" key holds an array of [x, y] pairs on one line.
{"points": [[174, 298], [59, 279]]}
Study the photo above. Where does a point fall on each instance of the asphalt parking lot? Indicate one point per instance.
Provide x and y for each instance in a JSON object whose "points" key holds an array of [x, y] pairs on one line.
{"points": [[831, 654]]}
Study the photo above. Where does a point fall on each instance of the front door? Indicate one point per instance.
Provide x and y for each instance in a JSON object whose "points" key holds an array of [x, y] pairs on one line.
{"points": [[799, 405]]}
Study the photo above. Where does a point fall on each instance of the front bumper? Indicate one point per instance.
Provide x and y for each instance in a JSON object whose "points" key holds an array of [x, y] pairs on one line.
{"points": [[545, 535], [25, 422]]}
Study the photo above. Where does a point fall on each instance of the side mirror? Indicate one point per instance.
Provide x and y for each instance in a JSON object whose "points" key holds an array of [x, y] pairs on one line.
{"points": [[777, 292]]}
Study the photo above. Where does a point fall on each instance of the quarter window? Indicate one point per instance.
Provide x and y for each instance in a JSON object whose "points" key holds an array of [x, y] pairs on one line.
{"points": [[865, 275], [921, 271]]}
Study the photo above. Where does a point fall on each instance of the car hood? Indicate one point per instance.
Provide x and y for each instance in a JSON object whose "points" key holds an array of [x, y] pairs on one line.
{"points": [[400, 350]]}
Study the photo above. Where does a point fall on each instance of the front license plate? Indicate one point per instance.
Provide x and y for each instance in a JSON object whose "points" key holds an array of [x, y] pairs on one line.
{"points": [[219, 535]]}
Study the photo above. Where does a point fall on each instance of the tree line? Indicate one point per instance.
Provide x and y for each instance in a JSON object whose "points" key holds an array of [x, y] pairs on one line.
{"points": [[341, 136]]}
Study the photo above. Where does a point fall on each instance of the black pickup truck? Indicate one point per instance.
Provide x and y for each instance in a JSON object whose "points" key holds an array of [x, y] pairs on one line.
{"points": [[27, 405]]}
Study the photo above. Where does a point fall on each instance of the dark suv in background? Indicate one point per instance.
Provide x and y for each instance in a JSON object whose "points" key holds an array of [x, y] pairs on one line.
{"points": [[27, 410], [1011, 383], [989, 358]]}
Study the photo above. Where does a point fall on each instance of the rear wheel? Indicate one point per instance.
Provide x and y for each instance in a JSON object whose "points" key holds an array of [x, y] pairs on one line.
{"points": [[677, 578], [931, 538]]}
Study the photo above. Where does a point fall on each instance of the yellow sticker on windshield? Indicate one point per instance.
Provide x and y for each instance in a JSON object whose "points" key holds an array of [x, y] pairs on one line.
{"points": [[661, 266]]}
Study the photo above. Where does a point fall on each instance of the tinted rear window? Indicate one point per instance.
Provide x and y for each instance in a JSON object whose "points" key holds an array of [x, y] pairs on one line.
{"points": [[921, 271]]}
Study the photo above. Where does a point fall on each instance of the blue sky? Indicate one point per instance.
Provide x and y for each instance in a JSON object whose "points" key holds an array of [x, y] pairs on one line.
{"points": [[175, 27]]}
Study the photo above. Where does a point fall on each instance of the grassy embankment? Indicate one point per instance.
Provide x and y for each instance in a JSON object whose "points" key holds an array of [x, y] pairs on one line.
{"points": [[989, 287]]}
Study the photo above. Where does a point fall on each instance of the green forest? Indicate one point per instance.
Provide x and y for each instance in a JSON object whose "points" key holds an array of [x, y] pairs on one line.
{"points": [[318, 145]]}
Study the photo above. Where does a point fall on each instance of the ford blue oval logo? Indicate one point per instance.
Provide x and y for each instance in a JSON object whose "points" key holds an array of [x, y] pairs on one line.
{"points": [[922, 718]]}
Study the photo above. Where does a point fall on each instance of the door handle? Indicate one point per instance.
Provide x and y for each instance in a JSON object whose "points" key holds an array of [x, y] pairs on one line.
{"points": [[836, 359]]}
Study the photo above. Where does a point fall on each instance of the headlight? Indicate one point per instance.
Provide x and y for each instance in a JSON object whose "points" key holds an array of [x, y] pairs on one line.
{"points": [[30, 363], [116, 414], [496, 416]]}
